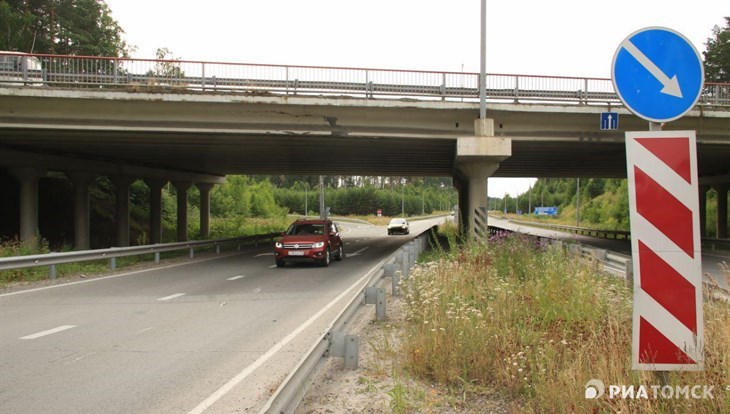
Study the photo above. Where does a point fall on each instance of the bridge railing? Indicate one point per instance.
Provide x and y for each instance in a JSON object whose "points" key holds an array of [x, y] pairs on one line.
{"points": [[183, 75]]}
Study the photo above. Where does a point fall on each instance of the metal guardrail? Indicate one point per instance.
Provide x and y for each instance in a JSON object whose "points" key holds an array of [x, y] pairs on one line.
{"points": [[603, 234], [617, 264], [335, 342], [54, 259], [149, 75], [709, 243]]}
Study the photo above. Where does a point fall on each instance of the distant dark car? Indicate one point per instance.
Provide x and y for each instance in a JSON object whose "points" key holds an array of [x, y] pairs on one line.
{"points": [[398, 225], [309, 241]]}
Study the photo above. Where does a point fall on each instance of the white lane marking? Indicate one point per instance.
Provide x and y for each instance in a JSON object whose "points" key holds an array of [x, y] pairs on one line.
{"points": [[236, 277], [166, 298], [357, 253], [136, 272], [272, 266], [257, 290], [264, 254], [233, 382], [145, 330], [49, 332]]}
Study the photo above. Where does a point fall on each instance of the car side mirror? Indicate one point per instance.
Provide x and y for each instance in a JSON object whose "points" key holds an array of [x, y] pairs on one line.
{"points": [[333, 234]]}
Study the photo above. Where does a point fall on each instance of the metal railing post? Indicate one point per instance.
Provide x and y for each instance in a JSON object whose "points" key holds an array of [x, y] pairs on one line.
{"points": [[203, 76]]}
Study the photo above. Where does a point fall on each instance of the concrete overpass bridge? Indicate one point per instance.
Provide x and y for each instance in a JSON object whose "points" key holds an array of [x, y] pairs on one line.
{"points": [[193, 126]]}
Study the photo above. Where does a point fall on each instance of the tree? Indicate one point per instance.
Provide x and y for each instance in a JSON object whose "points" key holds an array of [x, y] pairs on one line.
{"points": [[717, 55], [67, 27]]}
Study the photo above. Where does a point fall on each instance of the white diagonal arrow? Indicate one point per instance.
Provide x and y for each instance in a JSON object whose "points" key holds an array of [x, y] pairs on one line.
{"points": [[671, 86]]}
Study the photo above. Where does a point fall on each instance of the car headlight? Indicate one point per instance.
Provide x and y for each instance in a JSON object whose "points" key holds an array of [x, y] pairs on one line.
{"points": [[278, 245], [318, 245]]}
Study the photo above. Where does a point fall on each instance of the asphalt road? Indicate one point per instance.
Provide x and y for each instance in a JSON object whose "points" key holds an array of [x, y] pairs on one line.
{"points": [[216, 335], [711, 261]]}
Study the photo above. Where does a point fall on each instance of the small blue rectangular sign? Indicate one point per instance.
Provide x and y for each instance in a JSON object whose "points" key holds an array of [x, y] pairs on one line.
{"points": [[609, 120], [546, 211]]}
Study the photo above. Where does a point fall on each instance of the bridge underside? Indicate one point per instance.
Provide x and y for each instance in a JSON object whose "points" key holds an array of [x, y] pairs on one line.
{"points": [[223, 153], [216, 135]]}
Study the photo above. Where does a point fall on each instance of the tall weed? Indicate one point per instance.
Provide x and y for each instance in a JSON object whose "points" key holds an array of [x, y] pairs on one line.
{"points": [[535, 325]]}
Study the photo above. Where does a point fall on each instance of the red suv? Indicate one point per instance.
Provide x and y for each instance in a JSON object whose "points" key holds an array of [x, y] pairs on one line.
{"points": [[309, 241]]}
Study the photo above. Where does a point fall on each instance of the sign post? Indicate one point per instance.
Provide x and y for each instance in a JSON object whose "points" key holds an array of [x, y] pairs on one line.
{"points": [[658, 75]]}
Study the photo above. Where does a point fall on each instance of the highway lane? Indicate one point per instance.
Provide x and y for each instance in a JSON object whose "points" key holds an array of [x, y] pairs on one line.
{"points": [[212, 336], [710, 260]]}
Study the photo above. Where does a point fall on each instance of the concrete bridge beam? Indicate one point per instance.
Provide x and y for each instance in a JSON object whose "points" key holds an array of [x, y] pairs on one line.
{"points": [[28, 178]]}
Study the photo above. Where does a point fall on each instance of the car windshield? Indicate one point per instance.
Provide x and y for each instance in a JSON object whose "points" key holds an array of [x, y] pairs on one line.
{"points": [[397, 221], [306, 229]]}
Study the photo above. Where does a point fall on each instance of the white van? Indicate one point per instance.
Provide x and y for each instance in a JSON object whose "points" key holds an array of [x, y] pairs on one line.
{"points": [[17, 68]]}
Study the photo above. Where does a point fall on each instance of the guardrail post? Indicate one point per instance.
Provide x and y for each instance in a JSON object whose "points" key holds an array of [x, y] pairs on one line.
{"points": [[412, 255], [52, 271], [192, 253], [113, 264], [217, 249], [389, 270], [600, 255], [404, 260], [376, 296], [345, 346], [157, 257], [629, 271]]}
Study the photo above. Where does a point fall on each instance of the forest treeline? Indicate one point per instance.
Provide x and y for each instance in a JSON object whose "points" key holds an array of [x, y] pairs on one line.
{"points": [[601, 202]]}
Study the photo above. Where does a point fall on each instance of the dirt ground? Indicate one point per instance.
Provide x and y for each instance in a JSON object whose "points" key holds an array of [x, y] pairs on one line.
{"points": [[380, 385]]}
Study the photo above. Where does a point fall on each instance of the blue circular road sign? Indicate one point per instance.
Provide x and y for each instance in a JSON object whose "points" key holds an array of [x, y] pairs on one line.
{"points": [[658, 74]]}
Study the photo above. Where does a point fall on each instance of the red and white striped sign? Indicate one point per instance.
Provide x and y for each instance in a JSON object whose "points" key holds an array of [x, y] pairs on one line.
{"points": [[668, 332]]}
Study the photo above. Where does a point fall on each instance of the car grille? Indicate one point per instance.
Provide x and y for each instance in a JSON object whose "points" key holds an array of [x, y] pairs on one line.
{"points": [[294, 246]]}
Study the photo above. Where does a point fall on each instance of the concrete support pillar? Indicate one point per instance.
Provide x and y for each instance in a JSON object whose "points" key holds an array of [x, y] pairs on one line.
{"points": [[82, 211], [28, 178], [721, 211], [182, 209], [477, 157], [155, 185], [477, 174], [122, 183], [703, 209], [204, 189]]}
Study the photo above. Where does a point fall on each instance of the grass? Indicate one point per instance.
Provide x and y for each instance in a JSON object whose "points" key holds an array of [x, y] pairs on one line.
{"points": [[534, 325]]}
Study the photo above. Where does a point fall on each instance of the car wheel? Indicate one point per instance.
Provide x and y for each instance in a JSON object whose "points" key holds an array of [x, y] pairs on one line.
{"points": [[326, 261], [389, 233], [340, 254], [279, 263]]}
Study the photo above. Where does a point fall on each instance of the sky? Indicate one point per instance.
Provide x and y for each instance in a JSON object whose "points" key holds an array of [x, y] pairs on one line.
{"points": [[527, 37]]}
